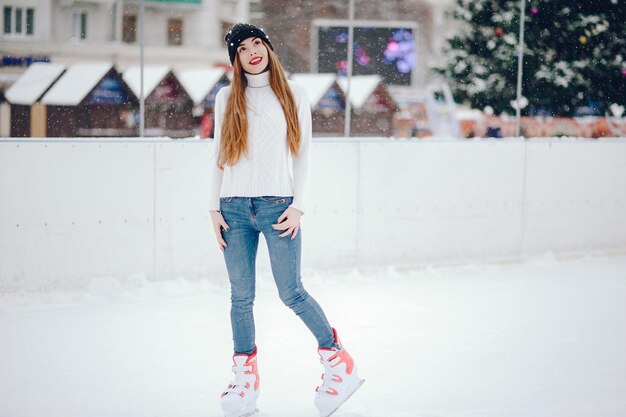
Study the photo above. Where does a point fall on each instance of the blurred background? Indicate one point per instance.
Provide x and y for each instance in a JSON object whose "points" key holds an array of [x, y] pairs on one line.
{"points": [[421, 68]]}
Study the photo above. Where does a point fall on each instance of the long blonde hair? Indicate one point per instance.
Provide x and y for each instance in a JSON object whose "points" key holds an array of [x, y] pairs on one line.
{"points": [[234, 134]]}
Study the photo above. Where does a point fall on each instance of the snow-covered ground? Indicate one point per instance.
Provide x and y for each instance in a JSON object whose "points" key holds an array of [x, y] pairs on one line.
{"points": [[545, 337]]}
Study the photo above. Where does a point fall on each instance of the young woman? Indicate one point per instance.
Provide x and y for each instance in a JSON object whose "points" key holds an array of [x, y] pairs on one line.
{"points": [[262, 126]]}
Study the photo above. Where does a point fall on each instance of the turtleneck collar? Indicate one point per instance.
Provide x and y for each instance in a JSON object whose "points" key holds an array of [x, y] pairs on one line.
{"points": [[258, 80]]}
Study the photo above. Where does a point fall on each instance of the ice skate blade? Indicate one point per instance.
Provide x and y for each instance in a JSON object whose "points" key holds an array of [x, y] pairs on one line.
{"points": [[361, 382]]}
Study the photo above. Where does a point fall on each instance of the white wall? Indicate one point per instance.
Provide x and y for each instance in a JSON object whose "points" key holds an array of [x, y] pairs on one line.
{"points": [[74, 210]]}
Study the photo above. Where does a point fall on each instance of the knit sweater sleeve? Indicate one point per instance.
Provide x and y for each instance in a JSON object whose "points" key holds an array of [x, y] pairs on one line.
{"points": [[217, 173], [301, 162]]}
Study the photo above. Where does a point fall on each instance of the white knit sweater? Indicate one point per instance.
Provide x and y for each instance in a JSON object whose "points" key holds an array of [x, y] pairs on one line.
{"points": [[270, 169]]}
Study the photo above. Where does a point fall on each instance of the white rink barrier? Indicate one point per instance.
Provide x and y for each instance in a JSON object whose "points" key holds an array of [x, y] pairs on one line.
{"points": [[75, 210]]}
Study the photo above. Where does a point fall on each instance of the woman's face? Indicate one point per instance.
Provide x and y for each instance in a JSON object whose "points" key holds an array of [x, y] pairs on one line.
{"points": [[252, 55]]}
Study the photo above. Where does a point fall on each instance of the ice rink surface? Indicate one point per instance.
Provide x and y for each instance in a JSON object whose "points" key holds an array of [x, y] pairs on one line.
{"points": [[540, 338]]}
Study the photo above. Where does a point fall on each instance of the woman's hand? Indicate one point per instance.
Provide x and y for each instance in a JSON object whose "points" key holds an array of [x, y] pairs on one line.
{"points": [[289, 221], [218, 224]]}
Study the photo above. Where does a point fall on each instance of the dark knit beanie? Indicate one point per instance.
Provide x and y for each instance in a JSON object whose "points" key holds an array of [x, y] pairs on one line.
{"points": [[238, 33]]}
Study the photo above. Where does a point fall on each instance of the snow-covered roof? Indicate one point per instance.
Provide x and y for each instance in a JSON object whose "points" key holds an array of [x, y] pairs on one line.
{"points": [[152, 76], [199, 82], [464, 113], [315, 85], [361, 88], [33, 83], [75, 84]]}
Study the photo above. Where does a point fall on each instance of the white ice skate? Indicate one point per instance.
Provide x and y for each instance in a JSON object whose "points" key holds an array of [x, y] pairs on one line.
{"points": [[239, 399], [339, 381]]}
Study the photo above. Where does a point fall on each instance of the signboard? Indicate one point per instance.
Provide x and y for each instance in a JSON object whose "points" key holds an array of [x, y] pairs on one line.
{"points": [[108, 91], [209, 101], [332, 100]]}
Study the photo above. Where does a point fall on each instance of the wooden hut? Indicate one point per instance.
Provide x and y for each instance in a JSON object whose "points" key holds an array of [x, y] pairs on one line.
{"points": [[28, 117], [327, 102], [373, 107], [168, 104], [203, 85], [90, 100]]}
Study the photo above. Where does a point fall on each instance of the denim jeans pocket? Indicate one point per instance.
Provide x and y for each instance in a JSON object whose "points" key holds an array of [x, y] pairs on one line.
{"points": [[226, 199], [275, 200]]}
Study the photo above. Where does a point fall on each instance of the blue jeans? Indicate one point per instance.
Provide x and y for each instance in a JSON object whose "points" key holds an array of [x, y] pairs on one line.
{"points": [[246, 217]]}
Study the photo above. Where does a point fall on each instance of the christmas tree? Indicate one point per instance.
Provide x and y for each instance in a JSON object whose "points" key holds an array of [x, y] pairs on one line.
{"points": [[574, 56]]}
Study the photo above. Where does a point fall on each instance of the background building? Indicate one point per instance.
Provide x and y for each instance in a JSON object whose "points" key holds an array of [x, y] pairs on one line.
{"points": [[68, 31], [188, 31]]}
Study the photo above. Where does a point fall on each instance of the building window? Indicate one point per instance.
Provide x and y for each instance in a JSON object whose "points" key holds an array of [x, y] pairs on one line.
{"points": [[175, 32], [8, 11], [129, 28], [30, 21], [19, 21], [79, 25], [256, 9]]}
